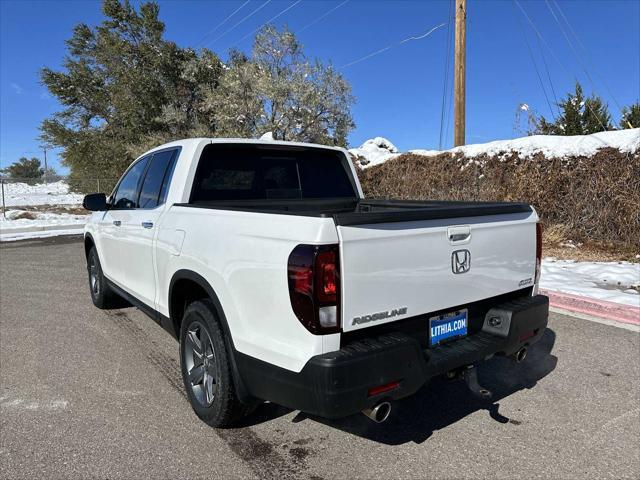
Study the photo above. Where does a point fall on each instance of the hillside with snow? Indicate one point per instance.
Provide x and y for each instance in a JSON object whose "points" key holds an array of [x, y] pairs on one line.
{"points": [[379, 150]]}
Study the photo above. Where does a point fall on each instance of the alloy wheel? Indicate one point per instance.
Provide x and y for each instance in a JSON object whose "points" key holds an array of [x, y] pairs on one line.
{"points": [[200, 363], [93, 276]]}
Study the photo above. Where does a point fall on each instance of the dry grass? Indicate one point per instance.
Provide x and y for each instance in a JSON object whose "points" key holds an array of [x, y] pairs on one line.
{"points": [[25, 215], [594, 200]]}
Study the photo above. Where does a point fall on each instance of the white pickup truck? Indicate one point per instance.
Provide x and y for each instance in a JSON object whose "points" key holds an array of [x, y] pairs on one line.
{"points": [[284, 284]]}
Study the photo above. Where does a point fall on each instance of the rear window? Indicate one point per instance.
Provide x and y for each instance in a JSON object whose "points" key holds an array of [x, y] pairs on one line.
{"points": [[252, 172]]}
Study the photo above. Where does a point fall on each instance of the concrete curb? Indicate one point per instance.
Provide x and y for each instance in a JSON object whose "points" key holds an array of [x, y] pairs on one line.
{"points": [[593, 307], [41, 228]]}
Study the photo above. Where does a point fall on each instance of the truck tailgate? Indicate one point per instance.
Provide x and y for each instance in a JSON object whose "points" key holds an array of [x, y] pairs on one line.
{"points": [[391, 271]]}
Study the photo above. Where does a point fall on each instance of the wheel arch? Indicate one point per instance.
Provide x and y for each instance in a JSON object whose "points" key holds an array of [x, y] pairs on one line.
{"points": [[187, 286], [89, 243]]}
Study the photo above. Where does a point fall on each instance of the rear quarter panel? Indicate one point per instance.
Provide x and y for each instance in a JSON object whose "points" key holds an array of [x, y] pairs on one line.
{"points": [[243, 256]]}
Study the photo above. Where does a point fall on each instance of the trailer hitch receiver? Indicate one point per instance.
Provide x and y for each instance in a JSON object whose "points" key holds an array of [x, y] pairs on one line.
{"points": [[470, 376]]}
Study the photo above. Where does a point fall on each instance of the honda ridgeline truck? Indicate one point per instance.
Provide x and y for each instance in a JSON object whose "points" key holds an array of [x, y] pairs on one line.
{"points": [[284, 284]]}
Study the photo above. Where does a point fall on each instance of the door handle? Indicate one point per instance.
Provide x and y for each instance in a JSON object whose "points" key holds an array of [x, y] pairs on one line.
{"points": [[117, 223], [147, 224], [459, 234]]}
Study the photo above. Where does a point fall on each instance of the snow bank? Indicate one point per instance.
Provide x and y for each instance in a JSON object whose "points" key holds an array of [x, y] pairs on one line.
{"points": [[55, 193], [267, 136], [14, 236], [21, 224], [612, 281], [556, 145], [376, 151]]}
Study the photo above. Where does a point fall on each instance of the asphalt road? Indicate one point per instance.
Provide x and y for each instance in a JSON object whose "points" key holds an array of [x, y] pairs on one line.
{"points": [[86, 393]]}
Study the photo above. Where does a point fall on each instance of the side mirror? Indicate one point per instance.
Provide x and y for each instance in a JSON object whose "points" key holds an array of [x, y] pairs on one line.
{"points": [[95, 202]]}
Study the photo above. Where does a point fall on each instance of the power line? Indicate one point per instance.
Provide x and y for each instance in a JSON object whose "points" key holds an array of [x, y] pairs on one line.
{"points": [[397, 44], [321, 17], [270, 20], [445, 85], [583, 64], [449, 111], [222, 22], [556, 58], [566, 37], [241, 21], [546, 67], [535, 65]]}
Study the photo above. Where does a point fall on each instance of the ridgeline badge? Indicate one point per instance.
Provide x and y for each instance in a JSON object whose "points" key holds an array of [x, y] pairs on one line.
{"points": [[379, 316]]}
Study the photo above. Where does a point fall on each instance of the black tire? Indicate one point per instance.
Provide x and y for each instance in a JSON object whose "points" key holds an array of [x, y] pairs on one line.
{"points": [[101, 294], [209, 383]]}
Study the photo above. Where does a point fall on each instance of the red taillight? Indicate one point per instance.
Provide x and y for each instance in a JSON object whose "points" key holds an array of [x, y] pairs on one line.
{"points": [[327, 275], [387, 387], [314, 286]]}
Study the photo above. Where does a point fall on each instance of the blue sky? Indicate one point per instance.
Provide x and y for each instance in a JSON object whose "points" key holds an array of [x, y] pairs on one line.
{"points": [[398, 92]]}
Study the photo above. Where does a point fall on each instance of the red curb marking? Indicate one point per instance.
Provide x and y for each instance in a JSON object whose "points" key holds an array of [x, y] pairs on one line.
{"points": [[597, 308]]}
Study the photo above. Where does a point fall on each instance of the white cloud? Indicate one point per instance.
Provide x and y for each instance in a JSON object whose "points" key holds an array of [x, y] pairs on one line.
{"points": [[17, 88]]}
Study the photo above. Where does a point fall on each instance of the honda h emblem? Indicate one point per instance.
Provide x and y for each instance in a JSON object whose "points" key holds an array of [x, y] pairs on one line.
{"points": [[461, 261]]}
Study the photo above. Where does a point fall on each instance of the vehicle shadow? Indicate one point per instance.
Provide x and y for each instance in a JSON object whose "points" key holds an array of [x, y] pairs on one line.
{"points": [[441, 403]]}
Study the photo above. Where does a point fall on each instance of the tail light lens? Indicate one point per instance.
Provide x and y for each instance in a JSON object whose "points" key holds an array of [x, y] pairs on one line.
{"points": [[538, 254], [314, 287]]}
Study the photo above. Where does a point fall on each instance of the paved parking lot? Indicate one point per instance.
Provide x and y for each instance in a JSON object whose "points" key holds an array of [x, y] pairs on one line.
{"points": [[86, 393]]}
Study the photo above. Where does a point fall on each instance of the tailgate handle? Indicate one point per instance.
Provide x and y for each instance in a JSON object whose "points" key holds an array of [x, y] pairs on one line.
{"points": [[459, 234]]}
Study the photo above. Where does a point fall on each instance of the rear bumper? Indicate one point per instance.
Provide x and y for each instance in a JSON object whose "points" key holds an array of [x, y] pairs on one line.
{"points": [[337, 384]]}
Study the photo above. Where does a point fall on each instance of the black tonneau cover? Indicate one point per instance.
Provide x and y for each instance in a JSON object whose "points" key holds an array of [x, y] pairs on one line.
{"points": [[386, 211], [346, 211]]}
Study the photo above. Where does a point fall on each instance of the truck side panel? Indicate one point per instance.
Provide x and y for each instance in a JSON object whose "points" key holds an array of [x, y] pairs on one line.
{"points": [[243, 256]]}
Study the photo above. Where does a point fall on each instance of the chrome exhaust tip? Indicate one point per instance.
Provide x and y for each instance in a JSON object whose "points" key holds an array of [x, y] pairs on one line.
{"points": [[379, 413], [521, 355]]}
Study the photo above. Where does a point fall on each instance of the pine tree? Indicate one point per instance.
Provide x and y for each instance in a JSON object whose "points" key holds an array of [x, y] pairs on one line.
{"points": [[631, 116], [578, 116], [125, 89], [25, 168]]}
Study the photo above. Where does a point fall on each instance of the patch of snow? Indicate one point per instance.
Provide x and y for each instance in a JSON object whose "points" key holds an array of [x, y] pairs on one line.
{"points": [[425, 153], [374, 152], [557, 145], [267, 136], [12, 237], [377, 150], [17, 219], [54, 193], [21, 224], [612, 281]]}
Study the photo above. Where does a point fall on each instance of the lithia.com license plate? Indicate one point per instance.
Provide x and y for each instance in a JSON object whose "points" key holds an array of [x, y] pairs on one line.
{"points": [[448, 325]]}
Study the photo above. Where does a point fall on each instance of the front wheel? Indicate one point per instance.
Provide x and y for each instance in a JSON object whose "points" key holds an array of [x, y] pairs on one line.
{"points": [[206, 367], [101, 294]]}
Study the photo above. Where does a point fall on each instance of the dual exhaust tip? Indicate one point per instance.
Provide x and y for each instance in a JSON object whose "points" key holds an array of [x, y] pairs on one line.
{"points": [[520, 355], [378, 413], [381, 411]]}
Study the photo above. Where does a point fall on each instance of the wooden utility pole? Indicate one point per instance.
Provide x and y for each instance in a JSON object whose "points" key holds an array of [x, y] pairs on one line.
{"points": [[46, 167], [459, 73]]}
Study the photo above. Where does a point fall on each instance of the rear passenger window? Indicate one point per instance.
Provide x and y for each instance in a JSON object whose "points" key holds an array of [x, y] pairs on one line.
{"points": [[126, 195], [156, 181], [248, 172]]}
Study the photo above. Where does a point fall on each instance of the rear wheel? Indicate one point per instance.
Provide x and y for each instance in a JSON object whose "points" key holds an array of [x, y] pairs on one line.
{"points": [[101, 294], [206, 367]]}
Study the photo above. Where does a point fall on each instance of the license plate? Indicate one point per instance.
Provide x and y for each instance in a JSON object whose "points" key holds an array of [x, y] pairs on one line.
{"points": [[448, 325]]}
